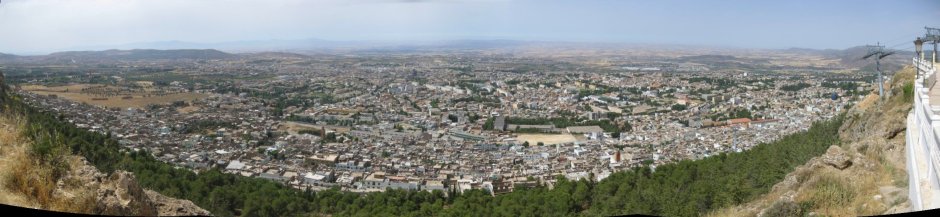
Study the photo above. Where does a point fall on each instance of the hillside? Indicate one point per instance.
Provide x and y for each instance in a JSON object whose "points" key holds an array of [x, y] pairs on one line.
{"points": [[4, 56], [106, 56], [40, 173], [852, 57], [141, 54], [865, 175], [77, 187]]}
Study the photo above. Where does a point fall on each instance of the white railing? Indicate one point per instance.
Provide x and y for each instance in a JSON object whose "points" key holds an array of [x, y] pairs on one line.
{"points": [[913, 190], [922, 145]]}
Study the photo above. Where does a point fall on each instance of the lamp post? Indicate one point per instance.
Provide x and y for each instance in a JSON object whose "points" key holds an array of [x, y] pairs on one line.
{"points": [[919, 49]]}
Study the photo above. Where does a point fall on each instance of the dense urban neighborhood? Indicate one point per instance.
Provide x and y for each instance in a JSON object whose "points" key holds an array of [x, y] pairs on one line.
{"points": [[448, 122], [503, 108]]}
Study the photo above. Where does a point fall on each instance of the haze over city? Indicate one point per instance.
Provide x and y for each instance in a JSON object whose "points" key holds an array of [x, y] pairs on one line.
{"points": [[43, 26]]}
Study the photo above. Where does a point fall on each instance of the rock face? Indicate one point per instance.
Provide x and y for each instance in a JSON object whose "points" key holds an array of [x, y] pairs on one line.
{"points": [[837, 158], [781, 208], [120, 194], [167, 206]]}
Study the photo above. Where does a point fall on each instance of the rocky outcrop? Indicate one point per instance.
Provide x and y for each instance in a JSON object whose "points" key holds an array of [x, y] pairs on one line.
{"points": [[168, 206], [836, 158], [781, 208], [120, 194]]}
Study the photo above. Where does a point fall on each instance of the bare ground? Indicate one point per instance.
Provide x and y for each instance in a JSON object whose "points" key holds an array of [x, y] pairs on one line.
{"points": [[73, 93], [548, 139]]}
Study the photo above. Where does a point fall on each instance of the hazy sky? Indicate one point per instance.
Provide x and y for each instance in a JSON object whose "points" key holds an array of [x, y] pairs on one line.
{"points": [[31, 26]]}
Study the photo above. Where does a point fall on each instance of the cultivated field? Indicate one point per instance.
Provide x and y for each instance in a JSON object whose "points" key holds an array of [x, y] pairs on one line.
{"points": [[112, 96], [548, 139]]}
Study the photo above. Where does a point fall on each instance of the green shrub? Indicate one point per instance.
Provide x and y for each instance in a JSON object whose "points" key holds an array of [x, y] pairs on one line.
{"points": [[908, 91], [831, 191], [783, 209]]}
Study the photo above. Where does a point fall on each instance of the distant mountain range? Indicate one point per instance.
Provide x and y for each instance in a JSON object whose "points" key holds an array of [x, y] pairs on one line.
{"points": [[852, 57], [121, 55], [852, 53], [315, 46], [243, 46], [7, 56], [310, 45], [142, 54], [177, 50]]}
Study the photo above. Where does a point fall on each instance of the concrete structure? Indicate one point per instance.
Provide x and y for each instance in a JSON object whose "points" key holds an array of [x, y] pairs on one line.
{"points": [[465, 135], [235, 165], [499, 123], [326, 159], [585, 129], [923, 135]]}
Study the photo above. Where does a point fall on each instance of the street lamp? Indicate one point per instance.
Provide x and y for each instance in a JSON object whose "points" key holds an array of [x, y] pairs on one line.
{"points": [[919, 49]]}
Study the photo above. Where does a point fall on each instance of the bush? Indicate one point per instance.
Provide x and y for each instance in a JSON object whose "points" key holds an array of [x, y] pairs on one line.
{"points": [[34, 168], [678, 107], [908, 91], [784, 208], [49, 151], [831, 191]]}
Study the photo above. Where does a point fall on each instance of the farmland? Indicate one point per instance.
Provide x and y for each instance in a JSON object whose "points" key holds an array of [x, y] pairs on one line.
{"points": [[113, 96]]}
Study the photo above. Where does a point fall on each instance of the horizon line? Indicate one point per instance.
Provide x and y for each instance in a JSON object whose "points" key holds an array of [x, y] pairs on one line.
{"points": [[363, 45]]}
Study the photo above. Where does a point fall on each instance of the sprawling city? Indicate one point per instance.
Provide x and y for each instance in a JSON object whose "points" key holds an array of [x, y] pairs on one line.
{"points": [[506, 127], [465, 121]]}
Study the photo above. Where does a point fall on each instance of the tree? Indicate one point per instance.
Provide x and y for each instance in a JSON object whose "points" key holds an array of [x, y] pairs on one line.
{"points": [[581, 195], [488, 125], [613, 115], [678, 107]]}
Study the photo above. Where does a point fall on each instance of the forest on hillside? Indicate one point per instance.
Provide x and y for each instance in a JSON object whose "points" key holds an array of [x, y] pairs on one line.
{"points": [[686, 188]]}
